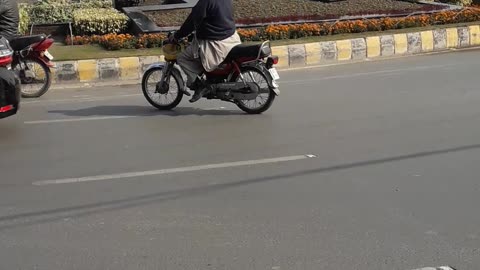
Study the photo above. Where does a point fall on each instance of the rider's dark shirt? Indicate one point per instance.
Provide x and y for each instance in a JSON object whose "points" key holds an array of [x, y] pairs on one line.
{"points": [[9, 18], [211, 19]]}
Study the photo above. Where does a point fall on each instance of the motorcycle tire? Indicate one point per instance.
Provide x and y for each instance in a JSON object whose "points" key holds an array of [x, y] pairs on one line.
{"points": [[268, 102], [179, 82], [46, 84]]}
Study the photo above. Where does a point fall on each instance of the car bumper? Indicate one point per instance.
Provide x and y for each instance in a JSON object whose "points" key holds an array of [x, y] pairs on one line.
{"points": [[10, 99]]}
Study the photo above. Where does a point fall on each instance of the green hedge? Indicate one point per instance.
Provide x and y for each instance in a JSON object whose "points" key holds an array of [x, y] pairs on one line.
{"points": [[99, 21], [59, 11], [24, 19], [464, 2]]}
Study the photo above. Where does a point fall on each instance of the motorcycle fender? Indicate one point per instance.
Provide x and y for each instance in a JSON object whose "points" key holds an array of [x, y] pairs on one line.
{"points": [[155, 65], [270, 80], [161, 65], [51, 64], [45, 60], [276, 91]]}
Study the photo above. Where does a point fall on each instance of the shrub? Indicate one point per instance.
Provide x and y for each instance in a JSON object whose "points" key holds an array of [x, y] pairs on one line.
{"points": [[44, 12], [60, 11], [99, 21], [250, 34], [117, 42], [82, 40], [92, 4], [113, 42], [24, 21], [150, 41], [461, 2], [275, 32]]}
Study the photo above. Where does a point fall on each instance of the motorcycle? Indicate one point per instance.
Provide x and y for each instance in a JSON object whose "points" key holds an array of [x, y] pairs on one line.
{"points": [[33, 64], [246, 78], [9, 82]]}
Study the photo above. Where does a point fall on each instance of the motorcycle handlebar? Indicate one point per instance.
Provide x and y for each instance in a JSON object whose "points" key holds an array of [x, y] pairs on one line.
{"points": [[184, 40]]}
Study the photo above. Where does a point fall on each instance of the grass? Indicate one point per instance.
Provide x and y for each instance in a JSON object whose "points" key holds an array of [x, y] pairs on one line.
{"points": [[64, 53]]}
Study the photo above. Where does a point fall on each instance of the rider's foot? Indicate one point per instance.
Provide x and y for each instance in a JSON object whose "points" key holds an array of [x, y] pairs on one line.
{"points": [[199, 93], [200, 88]]}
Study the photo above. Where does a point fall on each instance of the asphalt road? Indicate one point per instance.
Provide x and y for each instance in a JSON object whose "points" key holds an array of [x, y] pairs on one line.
{"points": [[394, 183]]}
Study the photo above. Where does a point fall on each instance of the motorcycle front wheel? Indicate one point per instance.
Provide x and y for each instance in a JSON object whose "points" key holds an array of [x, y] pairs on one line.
{"points": [[35, 77], [162, 95]]}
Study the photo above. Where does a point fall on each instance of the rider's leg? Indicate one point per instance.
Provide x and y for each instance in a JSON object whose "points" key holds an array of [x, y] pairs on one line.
{"points": [[193, 68], [190, 65]]}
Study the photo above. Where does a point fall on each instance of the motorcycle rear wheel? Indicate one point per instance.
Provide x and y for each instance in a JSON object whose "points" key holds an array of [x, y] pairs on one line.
{"points": [[172, 97], [264, 99], [33, 64]]}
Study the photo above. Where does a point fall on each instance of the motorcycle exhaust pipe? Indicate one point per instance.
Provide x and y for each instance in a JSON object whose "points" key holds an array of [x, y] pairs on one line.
{"points": [[236, 87]]}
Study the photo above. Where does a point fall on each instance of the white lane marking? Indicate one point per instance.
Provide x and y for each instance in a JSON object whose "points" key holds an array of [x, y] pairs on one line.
{"points": [[80, 99], [360, 74], [214, 108], [436, 268], [77, 119], [173, 170]]}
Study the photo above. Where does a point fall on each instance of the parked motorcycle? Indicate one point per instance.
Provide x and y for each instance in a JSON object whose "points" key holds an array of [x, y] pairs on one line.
{"points": [[33, 63], [9, 82], [246, 78]]}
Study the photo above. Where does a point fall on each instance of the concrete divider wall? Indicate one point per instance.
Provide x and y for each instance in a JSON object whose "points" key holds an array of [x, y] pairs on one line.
{"points": [[298, 55]]}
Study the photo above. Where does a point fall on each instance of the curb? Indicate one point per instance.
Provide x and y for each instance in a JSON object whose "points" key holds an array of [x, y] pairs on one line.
{"points": [[126, 69]]}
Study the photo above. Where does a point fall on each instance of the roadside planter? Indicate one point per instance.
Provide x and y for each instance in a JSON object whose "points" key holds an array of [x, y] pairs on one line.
{"points": [[57, 31]]}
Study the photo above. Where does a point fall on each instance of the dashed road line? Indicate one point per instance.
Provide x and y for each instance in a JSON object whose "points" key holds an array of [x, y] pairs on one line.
{"points": [[77, 119], [132, 175]]}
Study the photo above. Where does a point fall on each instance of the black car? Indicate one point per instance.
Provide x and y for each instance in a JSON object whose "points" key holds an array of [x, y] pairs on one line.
{"points": [[9, 82], [9, 93]]}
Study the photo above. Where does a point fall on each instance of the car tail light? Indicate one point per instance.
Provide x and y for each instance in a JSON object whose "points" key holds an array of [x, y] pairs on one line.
{"points": [[5, 57], [5, 61], [6, 108]]}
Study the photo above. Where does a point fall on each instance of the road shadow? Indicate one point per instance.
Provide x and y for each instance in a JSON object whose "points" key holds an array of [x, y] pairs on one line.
{"points": [[52, 215], [118, 110]]}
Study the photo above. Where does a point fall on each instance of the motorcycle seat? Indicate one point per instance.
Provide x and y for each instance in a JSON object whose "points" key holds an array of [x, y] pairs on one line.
{"points": [[248, 51], [21, 43]]}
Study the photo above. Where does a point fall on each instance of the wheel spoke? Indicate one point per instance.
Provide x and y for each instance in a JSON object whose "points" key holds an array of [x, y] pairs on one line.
{"points": [[34, 78], [161, 99], [256, 77]]}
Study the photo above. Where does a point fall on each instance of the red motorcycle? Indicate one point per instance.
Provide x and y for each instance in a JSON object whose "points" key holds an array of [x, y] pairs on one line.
{"points": [[33, 64], [246, 78]]}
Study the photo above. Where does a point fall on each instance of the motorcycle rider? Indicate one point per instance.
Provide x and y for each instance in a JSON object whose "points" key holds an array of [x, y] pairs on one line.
{"points": [[215, 35], [9, 19]]}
